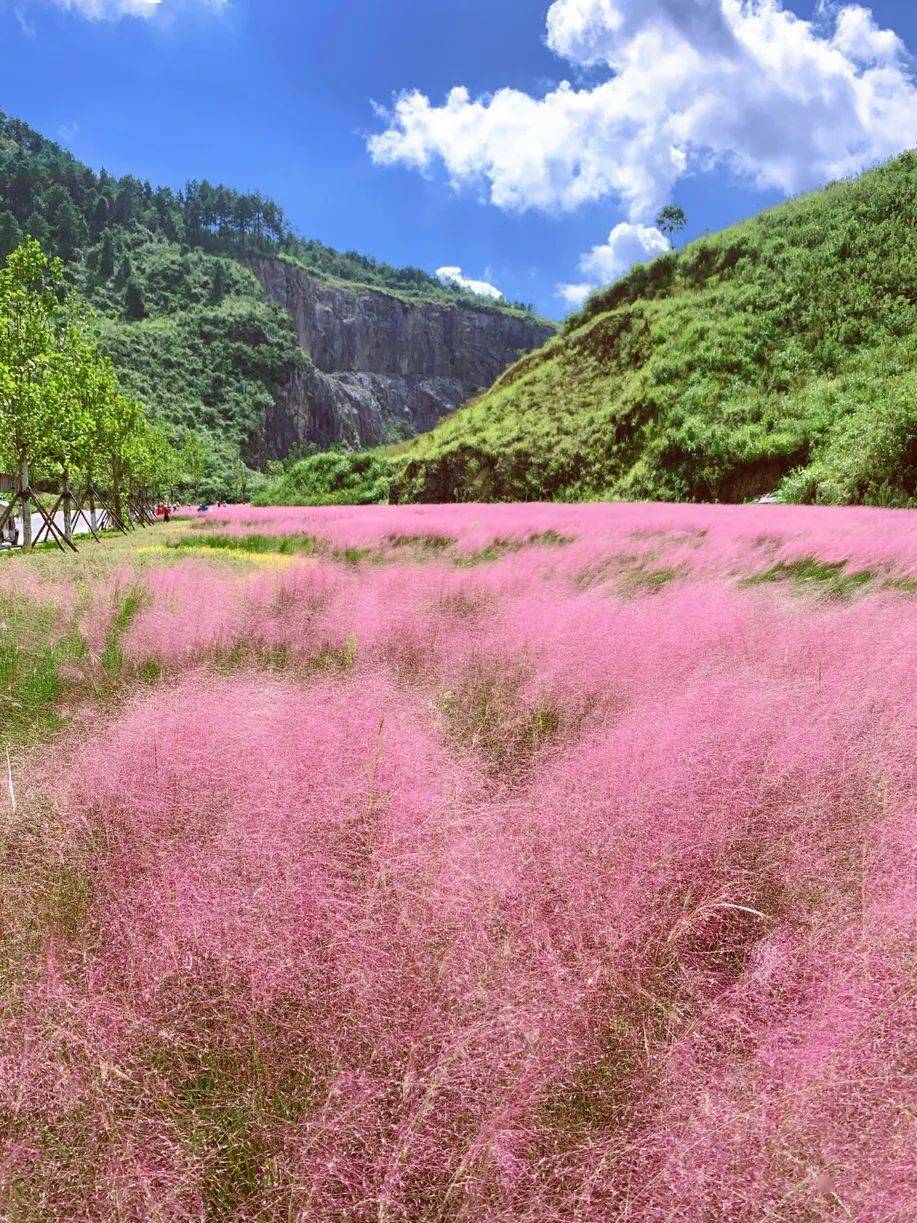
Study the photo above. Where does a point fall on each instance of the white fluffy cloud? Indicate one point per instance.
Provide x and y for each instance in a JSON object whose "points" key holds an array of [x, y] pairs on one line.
{"points": [[574, 295], [627, 244], [859, 38], [454, 276], [787, 103]]}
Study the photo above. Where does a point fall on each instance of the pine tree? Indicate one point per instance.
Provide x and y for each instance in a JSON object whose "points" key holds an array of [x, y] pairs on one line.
{"points": [[100, 215], [37, 228], [106, 265], [133, 300], [10, 234], [70, 231]]}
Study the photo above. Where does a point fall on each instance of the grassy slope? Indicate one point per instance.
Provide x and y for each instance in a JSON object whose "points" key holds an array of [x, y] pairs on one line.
{"points": [[780, 352]]}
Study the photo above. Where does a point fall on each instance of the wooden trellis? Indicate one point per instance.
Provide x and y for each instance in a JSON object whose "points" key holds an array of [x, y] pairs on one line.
{"points": [[22, 497]]}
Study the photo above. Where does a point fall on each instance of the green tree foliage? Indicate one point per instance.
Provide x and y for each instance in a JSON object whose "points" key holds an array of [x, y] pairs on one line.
{"points": [[105, 263], [777, 355], [61, 410], [10, 234], [76, 392], [671, 220], [37, 227], [69, 230], [332, 478], [133, 300], [99, 219], [29, 310]]}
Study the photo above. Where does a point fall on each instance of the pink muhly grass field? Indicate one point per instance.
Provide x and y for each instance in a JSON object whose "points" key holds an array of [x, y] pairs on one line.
{"points": [[729, 534], [565, 877]]}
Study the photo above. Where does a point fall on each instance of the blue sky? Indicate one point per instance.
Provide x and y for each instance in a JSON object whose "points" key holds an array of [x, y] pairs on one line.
{"points": [[522, 190]]}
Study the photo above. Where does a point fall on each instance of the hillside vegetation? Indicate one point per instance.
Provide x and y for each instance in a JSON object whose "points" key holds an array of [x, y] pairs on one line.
{"points": [[776, 355], [186, 325], [331, 478]]}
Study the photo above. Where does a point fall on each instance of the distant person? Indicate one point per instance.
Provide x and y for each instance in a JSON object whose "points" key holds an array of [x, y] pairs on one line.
{"points": [[203, 507], [11, 532]]}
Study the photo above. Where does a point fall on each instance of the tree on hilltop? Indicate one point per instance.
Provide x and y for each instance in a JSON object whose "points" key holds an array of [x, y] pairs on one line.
{"points": [[671, 220]]}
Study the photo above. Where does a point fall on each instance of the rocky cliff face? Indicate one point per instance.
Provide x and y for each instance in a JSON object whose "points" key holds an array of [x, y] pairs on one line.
{"points": [[380, 366]]}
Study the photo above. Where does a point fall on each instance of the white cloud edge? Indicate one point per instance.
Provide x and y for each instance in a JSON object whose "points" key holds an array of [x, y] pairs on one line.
{"points": [[113, 10], [574, 295], [627, 245], [455, 276]]}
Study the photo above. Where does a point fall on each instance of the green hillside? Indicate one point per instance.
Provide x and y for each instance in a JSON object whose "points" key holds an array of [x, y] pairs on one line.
{"points": [[779, 355], [187, 325]]}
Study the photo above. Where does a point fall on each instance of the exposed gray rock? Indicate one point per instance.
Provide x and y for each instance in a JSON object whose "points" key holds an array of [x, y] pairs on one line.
{"points": [[380, 365], [354, 409]]}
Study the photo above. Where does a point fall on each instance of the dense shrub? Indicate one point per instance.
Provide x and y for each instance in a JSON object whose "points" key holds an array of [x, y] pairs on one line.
{"points": [[870, 456], [331, 478]]}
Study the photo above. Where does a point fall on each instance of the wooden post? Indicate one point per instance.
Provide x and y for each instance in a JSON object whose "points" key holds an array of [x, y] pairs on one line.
{"points": [[26, 510], [49, 529], [79, 512], [44, 531]]}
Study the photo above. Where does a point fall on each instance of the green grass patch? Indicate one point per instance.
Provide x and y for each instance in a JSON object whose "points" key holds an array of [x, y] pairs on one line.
{"points": [[284, 545], [829, 578], [32, 653], [631, 574], [506, 547], [232, 1104], [421, 543], [127, 608]]}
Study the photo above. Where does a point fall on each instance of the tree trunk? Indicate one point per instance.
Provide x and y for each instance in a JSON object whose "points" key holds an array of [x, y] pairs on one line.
{"points": [[26, 508], [92, 512], [116, 495], [68, 509]]}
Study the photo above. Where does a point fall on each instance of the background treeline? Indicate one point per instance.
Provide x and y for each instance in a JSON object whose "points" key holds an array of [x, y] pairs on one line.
{"points": [[65, 422], [46, 193]]}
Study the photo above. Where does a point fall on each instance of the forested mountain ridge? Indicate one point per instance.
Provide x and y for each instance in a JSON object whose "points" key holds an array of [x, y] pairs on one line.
{"points": [[49, 194], [779, 355], [188, 325]]}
